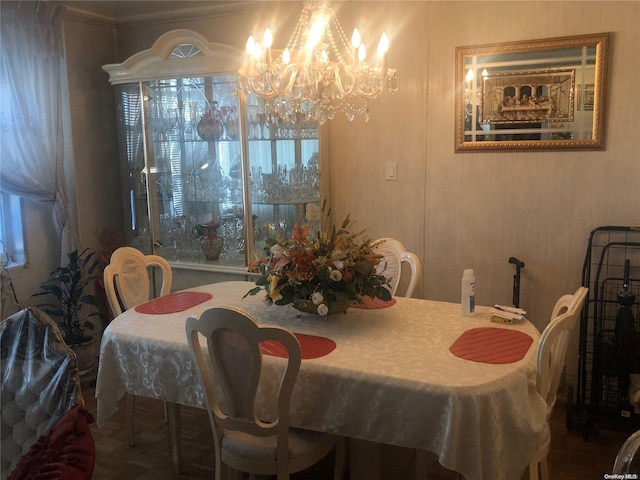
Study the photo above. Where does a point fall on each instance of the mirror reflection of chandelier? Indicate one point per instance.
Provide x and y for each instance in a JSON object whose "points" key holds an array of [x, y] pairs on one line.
{"points": [[320, 73]]}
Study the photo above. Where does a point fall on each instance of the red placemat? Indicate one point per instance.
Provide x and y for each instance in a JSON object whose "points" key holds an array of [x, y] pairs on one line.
{"points": [[312, 346], [372, 303], [172, 303], [491, 345]]}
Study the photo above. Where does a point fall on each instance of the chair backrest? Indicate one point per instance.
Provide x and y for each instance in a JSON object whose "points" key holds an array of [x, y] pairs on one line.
{"points": [[552, 346], [233, 340], [627, 460], [126, 278], [40, 381], [394, 256]]}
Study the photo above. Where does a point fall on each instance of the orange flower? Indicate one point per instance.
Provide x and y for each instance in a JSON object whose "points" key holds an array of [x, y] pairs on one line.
{"points": [[253, 265], [300, 232], [303, 262], [374, 258]]}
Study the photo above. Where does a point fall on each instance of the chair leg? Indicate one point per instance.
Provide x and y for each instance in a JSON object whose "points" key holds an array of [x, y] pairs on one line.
{"points": [[129, 419], [533, 471], [175, 428], [338, 469], [544, 469]]}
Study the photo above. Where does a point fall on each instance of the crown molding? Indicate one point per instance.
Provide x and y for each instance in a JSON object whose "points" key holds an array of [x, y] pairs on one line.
{"points": [[210, 9]]}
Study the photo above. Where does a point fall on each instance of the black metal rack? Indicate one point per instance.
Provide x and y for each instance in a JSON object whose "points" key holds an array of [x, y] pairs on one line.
{"points": [[610, 332]]}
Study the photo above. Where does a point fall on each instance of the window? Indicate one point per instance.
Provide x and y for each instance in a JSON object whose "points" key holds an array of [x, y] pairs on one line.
{"points": [[11, 233]]}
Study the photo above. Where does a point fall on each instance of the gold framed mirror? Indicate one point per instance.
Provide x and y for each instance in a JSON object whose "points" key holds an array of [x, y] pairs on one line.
{"points": [[546, 94]]}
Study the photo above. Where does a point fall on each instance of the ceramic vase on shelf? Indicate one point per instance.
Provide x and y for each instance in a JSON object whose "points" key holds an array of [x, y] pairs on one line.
{"points": [[211, 243], [210, 126]]}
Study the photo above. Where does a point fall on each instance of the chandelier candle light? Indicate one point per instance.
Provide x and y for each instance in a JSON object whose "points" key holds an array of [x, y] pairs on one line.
{"points": [[319, 73]]}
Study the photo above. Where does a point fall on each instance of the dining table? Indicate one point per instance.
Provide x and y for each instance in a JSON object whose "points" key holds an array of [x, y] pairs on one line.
{"points": [[408, 372]]}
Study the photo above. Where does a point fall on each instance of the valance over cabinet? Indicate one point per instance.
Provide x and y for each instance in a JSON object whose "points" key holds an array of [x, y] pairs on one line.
{"points": [[208, 178]]}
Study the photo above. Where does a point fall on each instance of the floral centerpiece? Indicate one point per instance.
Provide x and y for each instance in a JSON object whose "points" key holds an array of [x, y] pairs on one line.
{"points": [[322, 273]]}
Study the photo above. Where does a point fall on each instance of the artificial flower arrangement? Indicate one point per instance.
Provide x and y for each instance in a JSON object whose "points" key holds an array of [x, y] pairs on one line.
{"points": [[322, 273]]}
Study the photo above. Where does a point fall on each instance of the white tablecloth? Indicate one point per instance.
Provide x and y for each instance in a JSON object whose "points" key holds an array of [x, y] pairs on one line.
{"points": [[391, 378]]}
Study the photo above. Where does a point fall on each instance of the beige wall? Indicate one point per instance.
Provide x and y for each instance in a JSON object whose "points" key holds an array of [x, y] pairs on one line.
{"points": [[454, 210], [95, 193]]}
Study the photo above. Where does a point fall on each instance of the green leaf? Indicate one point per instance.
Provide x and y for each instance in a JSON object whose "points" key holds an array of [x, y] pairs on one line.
{"points": [[90, 300], [364, 267], [382, 293], [253, 291]]}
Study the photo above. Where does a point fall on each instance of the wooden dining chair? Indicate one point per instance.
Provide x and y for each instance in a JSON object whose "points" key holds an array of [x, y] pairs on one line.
{"points": [[262, 444], [550, 359], [127, 283], [395, 255]]}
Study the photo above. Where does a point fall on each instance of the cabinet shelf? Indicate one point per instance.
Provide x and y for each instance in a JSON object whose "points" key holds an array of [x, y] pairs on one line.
{"points": [[302, 201], [193, 140]]}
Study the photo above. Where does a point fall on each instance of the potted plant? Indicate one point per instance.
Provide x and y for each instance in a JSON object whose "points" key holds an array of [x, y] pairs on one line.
{"points": [[67, 284]]}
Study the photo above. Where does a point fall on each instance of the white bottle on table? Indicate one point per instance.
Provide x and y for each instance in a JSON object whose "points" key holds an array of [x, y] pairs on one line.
{"points": [[468, 298]]}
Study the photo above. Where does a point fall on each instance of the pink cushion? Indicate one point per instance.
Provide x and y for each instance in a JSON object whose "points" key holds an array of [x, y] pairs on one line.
{"points": [[67, 452]]}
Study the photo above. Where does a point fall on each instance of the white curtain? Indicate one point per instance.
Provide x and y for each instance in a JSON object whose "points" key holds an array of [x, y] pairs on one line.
{"points": [[34, 103]]}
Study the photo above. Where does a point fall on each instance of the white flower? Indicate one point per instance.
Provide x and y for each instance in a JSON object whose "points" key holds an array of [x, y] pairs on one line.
{"points": [[278, 250], [336, 275], [339, 264], [323, 309], [317, 298]]}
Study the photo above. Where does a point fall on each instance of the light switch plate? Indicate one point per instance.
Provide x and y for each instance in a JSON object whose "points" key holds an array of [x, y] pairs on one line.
{"points": [[392, 171]]}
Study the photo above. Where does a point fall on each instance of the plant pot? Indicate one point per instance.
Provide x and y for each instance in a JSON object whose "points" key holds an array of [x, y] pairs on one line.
{"points": [[86, 356], [307, 306]]}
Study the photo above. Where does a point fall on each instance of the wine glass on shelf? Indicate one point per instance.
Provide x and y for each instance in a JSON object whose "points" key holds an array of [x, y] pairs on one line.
{"points": [[264, 126], [254, 125], [195, 112], [230, 121]]}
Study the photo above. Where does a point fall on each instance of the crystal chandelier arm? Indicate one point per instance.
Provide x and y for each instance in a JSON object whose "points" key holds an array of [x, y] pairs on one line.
{"points": [[289, 74], [256, 84], [338, 78], [262, 83]]}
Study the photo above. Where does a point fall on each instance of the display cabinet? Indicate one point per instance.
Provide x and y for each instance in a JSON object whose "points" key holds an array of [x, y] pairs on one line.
{"points": [[208, 178]]}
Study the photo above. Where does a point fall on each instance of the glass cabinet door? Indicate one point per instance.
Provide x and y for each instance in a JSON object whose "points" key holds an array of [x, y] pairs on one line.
{"points": [[284, 176], [194, 162], [209, 179], [184, 162]]}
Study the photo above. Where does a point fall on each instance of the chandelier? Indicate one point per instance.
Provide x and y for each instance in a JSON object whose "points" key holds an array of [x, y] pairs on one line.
{"points": [[319, 74]]}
